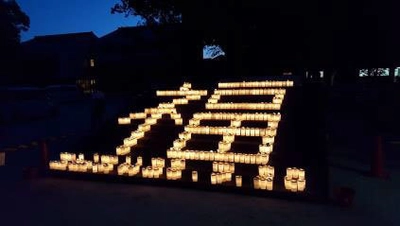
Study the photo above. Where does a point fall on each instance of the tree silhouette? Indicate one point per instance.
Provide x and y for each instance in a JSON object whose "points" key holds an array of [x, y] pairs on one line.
{"points": [[151, 11], [12, 21]]}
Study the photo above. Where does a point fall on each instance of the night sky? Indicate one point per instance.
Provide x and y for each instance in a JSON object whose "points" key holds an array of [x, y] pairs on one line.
{"points": [[66, 16]]}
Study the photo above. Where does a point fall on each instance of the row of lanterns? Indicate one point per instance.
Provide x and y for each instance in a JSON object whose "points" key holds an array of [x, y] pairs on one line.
{"points": [[246, 92], [238, 116], [181, 93], [174, 173], [243, 106], [259, 159], [222, 130], [256, 84], [223, 167], [219, 178]]}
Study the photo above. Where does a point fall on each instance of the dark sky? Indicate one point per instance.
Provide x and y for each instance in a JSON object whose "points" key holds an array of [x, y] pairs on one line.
{"points": [[66, 16]]}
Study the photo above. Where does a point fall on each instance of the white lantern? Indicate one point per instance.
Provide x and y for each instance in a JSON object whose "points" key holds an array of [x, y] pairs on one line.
{"points": [[81, 157], [293, 185], [238, 180], [215, 166], [213, 178], [270, 184], [302, 174], [194, 176], [263, 183], [124, 121], [96, 158], [256, 182], [301, 184], [128, 160], [139, 160], [287, 181]]}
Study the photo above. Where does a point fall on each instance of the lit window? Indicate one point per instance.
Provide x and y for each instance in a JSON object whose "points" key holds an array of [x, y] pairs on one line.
{"points": [[321, 74], [397, 71], [91, 62]]}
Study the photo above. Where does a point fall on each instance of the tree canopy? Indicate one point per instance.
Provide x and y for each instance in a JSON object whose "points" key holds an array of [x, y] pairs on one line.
{"points": [[151, 11], [12, 21]]}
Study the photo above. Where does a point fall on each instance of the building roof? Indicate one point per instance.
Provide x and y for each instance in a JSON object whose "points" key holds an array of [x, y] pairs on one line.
{"points": [[62, 37]]}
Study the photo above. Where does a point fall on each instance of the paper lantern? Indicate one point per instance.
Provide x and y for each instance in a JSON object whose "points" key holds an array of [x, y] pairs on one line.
{"points": [[123, 150], [95, 168], [302, 174], [139, 161], [270, 184], [144, 127], [220, 178], [229, 138], [252, 159], [301, 185], [289, 173], [295, 173], [124, 121], [228, 176], [185, 135], [128, 160], [81, 157], [256, 182], [264, 159], [150, 121], [238, 180], [215, 166], [236, 123], [130, 141], [293, 185], [268, 139], [263, 183], [247, 158], [213, 178], [141, 115], [194, 176], [138, 134], [169, 174], [287, 181], [96, 157], [265, 148]]}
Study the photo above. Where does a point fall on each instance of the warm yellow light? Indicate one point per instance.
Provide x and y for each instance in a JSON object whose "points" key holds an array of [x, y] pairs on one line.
{"points": [[238, 180], [124, 121], [194, 176]]}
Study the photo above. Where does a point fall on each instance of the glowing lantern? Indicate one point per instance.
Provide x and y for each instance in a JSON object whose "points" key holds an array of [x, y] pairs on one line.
{"points": [[229, 138], [302, 174], [185, 135], [238, 180], [96, 157], [178, 121], [128, 160], [194, 176], [263, 183], [236, 123], [139, 160], [124, 121], [293, 185], [265, 148], [123, 150], [81, 157], [268, 139], [301, 185], [130, 141], [213, 178], [215, 166], [256, 182], [270, 184]]}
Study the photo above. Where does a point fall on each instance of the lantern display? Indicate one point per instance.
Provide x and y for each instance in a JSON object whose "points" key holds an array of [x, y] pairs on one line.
{"points": [[123, 150], [185, 135], [265, 148], [141, 115], [268, 139], [130, 141], [224, 146], [124, 121], [65, 156], [295, 179]]}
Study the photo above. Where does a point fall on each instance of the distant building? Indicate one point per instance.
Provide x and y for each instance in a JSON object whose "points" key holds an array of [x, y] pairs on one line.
{"points": [[133, 57], [62, 58]]}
